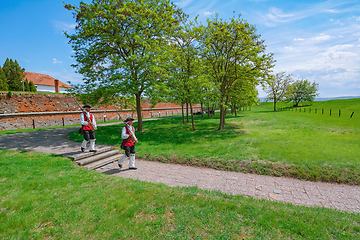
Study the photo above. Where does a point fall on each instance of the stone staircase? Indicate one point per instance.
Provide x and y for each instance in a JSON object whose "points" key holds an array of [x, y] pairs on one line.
{"points": [[94, 160]]}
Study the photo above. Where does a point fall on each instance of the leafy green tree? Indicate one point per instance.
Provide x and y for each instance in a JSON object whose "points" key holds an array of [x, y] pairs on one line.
{"points": [[26, 85], [3, 81], [185, 67], [244, 94], [7, 64], [32, 87], [117, 44], [302, 90], [233, 52], [14, 75], [277, 86]]}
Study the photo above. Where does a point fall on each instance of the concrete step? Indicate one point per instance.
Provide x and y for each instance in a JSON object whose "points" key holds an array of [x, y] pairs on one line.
{"points": [[97, 157], [103, 162], [79, 156]]}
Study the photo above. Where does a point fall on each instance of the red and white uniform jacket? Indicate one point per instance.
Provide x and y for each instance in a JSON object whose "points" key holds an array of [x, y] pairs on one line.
{"points": [[84, 121], [125, 134]]}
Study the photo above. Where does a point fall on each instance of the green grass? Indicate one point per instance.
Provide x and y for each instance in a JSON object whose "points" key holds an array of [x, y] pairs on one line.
{"points": [[296, 144], [44, 196]]}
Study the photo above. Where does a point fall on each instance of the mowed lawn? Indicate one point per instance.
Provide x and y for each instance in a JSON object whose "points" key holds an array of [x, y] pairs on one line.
{"points": [[43, 196], [305, 145]]}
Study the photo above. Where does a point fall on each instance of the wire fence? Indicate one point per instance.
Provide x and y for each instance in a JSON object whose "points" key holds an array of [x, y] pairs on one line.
{"points": [[323, 111]]}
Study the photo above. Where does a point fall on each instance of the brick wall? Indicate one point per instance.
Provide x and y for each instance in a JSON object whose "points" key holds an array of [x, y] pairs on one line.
{"points": [[31, 110]]}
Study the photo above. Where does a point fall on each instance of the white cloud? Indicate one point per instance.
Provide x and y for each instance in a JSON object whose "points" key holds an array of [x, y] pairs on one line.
{"points": [[275, 16], [183, 4], [56, 61], [331, 11], [321, 37], [208, 13]]}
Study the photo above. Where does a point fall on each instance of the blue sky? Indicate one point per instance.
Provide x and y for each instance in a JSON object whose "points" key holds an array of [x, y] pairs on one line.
{"points": [[314, 40]]}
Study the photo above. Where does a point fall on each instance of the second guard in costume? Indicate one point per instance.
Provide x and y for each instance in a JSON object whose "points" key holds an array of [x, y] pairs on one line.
{"points": [[128, 143], [88, 123]]}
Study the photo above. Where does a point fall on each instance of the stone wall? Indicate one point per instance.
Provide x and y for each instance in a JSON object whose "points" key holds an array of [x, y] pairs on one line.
{"points": [[32, 110]]}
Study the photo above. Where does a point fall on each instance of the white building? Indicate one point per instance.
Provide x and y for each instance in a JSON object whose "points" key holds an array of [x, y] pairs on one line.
{"points": [[45, 83]]}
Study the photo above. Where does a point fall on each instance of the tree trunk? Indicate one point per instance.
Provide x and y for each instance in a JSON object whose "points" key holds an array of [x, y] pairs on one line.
{"points": [[187, 111], [221, 118], [202, 110], [274, 106], [208, 109], [182, 112], [192, 117], [138, 110], [224, 114], [235, 109]]}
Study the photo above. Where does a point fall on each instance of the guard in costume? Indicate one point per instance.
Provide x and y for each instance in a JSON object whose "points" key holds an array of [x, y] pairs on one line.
{"points": [[88, 123], [128, 143]]}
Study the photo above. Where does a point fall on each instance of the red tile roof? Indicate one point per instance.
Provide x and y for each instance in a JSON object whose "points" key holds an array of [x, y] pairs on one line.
{"points": [[42, 79]]}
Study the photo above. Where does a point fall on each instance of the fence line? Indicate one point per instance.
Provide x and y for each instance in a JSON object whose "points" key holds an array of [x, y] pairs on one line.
{"points": [[303, 109]]}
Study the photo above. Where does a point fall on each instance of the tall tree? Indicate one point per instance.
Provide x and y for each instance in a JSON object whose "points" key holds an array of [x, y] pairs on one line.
{"points": [[117, 43], [32, 87], [3, 81], [26, 85], [277, 86], [14, 74], [233, 51], [185, 67], [302, 90], [244, 94]]}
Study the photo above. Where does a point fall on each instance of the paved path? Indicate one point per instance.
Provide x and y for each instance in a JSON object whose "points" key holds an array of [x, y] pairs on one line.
{"points": [[336, 196]]}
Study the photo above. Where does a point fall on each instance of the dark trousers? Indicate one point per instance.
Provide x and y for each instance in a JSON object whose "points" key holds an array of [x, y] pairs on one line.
{"points": [[129, 150], [88, 134]]}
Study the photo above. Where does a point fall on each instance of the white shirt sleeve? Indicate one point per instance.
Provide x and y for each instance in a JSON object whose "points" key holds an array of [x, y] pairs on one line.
{"points": [[82, 121], [93, 121], [123, 133]]}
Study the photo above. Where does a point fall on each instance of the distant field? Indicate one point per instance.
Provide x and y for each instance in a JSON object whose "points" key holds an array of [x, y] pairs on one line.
{"points": [[304, 145], [347, 107]]}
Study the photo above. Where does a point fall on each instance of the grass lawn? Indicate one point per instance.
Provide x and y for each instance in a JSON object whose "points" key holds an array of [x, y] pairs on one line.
{"points": [[310, 146], [44, 196]]}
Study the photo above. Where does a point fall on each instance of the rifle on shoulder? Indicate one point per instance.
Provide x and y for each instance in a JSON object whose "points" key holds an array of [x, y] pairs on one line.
{"points": [[132, 135], [84, 112]]}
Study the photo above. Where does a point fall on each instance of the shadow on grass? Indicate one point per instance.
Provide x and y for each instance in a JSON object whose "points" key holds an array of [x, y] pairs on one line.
{"points": [[171, 130]]}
